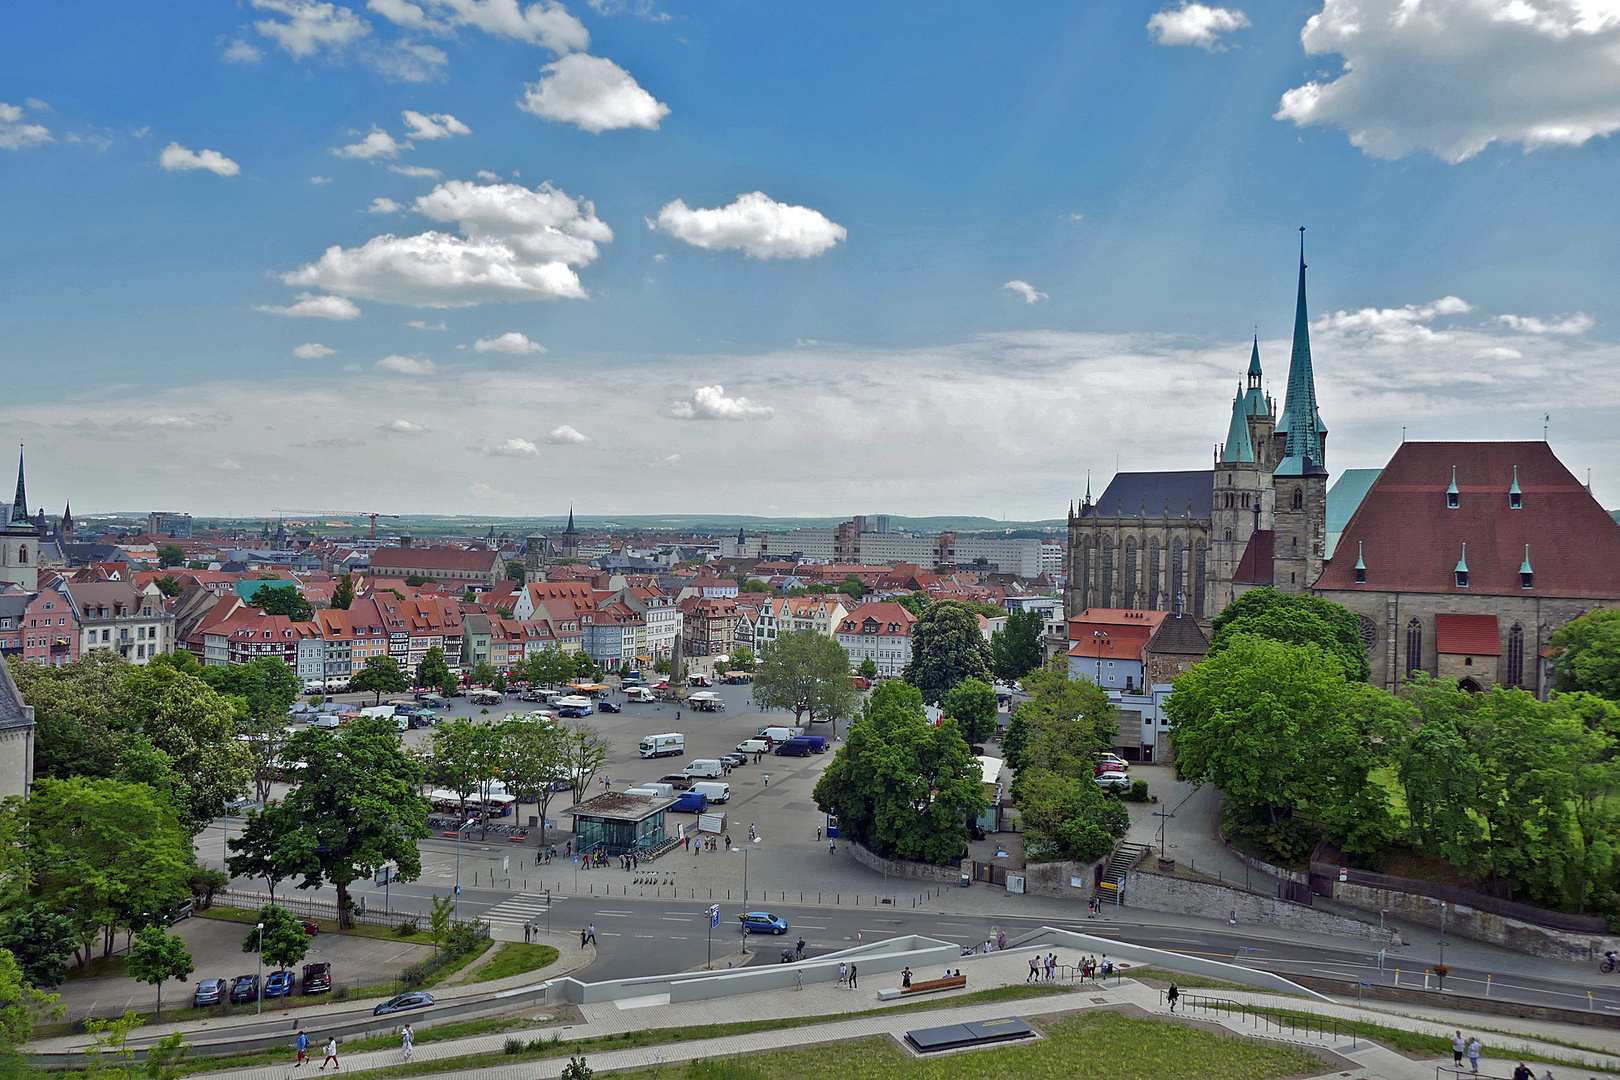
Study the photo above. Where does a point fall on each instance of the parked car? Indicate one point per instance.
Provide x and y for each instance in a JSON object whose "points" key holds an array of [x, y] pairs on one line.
{"points": [[416, 999], [317, 977], [762, 922], [1113, 779], [244, 989], [735, 760], [310, 928], [608, 706], [209, 992], [279, 984], [185, 909], [677, 780]]}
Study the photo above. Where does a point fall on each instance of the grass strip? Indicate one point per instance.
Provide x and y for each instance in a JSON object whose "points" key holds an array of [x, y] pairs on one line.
{"points": [[1187, 982], [514, 958], [328, 926], [466, 1029]]}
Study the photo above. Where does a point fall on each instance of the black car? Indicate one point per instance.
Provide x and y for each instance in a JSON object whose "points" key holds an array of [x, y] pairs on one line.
{"points": [[209, 992], [244, 989], [416, 999], [317, 978], [608, 706]]}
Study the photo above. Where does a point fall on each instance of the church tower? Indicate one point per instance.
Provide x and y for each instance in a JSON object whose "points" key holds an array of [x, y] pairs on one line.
{"points": [[19, 542], [1299, 442], [570, 539], [1242, 502]]}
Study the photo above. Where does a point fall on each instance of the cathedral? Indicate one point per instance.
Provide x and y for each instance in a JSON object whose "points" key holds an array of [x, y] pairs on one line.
{"points": [[1194, 540]]}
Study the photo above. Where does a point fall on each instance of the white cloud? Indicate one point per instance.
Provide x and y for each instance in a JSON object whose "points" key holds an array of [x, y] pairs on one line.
{"points": [[756, 223], [37, 105], [312, 351], [485, 174], [312, 306], [380, 205], [240, 52], [311, 26], [482, 490], [1453, 76], [401, 426], [1578, 323], [514, 447], [509, 342], [431, 126], [1026, 290], [177, 158], [711, 403], [545, 23], [1195, 24], [565, 436], [416, 170], [377, 143], [515, 244], [405, 365], [1394, 325], [14, 134], [405, 61], [320, 179], [592, 93], [423, 324]]}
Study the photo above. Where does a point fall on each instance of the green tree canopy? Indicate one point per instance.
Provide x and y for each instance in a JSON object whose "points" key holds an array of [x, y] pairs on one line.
{"points": [[1297, 620], [343, 594], [916, 602], [267, 686], [261, 851], [743, 658], [416, 581], [283, 600], [1588, 656], [585, 752], [533, 760], [852, 587], [285, 941], [515, 570], [806, 672], [197, 727], [40, 939], [946, 647], [434, 670], [1068, 817], [1062, 727], [380, 676], [466, 758], [1015, 649], [483, 673], [972, 704], [170, 555], [904, 787], [868, 669], [169, 585], [155, 957], [21, 1004]]}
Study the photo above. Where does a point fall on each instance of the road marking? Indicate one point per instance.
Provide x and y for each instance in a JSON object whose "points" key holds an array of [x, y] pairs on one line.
{"points": [[1335, 974], [667, 918], [615, 914]]}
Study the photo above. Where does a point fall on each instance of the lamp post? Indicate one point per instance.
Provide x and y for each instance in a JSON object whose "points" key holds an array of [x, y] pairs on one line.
{"points": [[1097, 639], [745, 876], [259, 990], [460, 831], [714, 919]]}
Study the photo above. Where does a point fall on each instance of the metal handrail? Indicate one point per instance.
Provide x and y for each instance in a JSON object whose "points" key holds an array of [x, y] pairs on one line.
{"points": [[1265, 1020], [1443, 1071]]}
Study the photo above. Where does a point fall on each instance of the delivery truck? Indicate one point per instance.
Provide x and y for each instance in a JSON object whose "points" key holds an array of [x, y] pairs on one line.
{"points": [[670, 744]]}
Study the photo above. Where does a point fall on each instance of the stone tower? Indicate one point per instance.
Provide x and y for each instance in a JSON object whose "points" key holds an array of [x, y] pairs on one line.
{"points": [[1299, 443], [570, 541], [1243, 497], [19, 541], [534, 559]]}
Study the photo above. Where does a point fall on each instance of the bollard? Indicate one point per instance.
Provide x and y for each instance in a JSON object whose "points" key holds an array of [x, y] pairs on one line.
{"points": [[1425, 978], [1397, 976], [1487, 986]]}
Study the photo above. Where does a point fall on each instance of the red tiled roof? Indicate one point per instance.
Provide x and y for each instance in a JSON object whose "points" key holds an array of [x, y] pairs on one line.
{"points": [[1467, 635], [1122, 641], [889, 616], [1256, 567], [415, 558], [1411, 541]]}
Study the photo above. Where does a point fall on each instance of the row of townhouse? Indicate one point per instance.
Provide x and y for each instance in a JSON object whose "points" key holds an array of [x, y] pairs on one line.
{"points": [[65, 619]]}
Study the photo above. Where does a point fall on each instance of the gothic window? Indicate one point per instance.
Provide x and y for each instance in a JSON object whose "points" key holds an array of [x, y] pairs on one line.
{"points": [[1228, 534], [1200, 576], [1130, 572], [1229, 500], [1299, 498], [1153, 574], [1085, 573], [22, 555], [1367, 630], [1106, 595], [1515, 657], [1177, 585], [1414, 647]]}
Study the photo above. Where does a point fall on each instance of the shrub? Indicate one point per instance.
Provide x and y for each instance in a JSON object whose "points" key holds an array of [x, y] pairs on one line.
{"points": [[514, 1046], [576, 1069], [1138, 792], [406, 927]]}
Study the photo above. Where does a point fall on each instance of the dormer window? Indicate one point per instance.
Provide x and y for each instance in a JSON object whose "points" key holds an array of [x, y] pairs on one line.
{"points": [[1361, 567], [1527, 576], [1453, 496], [1461, 571], [1515, 496]]}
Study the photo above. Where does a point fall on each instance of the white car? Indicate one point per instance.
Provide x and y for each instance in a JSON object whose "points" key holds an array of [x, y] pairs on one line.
{"points": [[1110, 779]]}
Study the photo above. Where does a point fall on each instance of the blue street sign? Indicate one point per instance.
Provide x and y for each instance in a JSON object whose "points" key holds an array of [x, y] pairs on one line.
{"points": [[714, 917]]}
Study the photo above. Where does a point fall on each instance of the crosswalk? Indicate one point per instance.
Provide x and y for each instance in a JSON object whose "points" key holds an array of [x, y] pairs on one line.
{"points": [[524, 908]]}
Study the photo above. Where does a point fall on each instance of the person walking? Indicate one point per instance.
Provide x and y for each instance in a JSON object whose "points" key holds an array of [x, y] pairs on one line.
{"points": [[1473, 1053], [1001, 939], [1523, 1072], [1172, 994], [303, 1049], [590, 929], [1034, 969], [407, 1041], [1051, 966], [843, 974], [832, 846], [798, 978], [852, 976], [331, 1054], [750, 831], [905, 979], [582, 939], [1458, 1045], [818, 834]]}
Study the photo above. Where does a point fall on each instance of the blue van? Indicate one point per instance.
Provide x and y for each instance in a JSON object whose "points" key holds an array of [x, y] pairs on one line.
{"points": [[691, 802], [798, 746]]}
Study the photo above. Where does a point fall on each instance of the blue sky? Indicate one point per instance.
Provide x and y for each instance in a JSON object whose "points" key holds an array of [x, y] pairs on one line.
{"points": [[990, 249]]}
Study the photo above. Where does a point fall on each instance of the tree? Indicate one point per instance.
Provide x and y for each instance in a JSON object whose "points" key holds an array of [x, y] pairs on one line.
{"points": [[806, 672], [743, 658], [551, 666], [267, 686], [1015, 649], [40, 939], [343, 595], [585, 752], [155, 957], [197, 727], [721, 666], [169, 585], [283, 600], [903, 786], [1588, 655], [754, 585], [1068, 817], [868, 669], [946, 647], [353, 809], [483, 673], [170, 555], [433, 670], [1062, 727], [972, 704], [285, 941], [20, 1003], [585, 669], [380, 676], [1297, 620], [444, 909], [499, 682], [465, 758], [515, 570], [852, 587], [533, 759], [80, 721], [416, 581], [261, 852], [916, 602], [661, 666]]}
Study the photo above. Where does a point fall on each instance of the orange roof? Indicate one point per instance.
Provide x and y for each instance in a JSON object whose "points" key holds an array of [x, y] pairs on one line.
{"points": [[1120, 643], [1467, 635]]}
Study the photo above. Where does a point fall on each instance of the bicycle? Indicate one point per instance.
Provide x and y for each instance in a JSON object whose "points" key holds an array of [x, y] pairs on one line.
{"points": [[1610, 963]]}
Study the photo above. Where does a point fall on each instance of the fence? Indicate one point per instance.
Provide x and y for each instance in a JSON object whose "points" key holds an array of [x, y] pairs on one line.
{"points": [[1266, 1021], [311, 908]]}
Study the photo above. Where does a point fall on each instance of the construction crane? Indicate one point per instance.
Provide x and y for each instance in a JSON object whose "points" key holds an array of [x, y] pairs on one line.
{"points": [[344, 513]]}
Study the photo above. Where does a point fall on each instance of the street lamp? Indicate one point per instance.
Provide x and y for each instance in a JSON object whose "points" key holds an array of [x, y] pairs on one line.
{"points": [[460, 832], [1097, 639], [259, 989]]}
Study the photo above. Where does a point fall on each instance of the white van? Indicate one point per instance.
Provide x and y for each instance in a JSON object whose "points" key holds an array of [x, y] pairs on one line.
{"points": [[710, 767], [326, 722], [753, 746], [644, 790], [639, 693], [716, 791], [778, 734], [666, 790]]}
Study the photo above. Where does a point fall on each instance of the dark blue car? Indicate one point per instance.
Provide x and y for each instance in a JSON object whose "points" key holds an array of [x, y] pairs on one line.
{"points": [[279, 984], [763, 922]]}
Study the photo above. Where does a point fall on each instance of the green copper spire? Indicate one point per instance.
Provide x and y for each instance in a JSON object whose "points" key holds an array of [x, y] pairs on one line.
{"points": [[1302, 452], [1254, 401], [19, 505], [1254, 362], [1239, 448]]}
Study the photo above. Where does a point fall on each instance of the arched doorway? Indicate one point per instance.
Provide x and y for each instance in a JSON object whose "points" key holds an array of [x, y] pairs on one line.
{"points": [[1468, 686]]}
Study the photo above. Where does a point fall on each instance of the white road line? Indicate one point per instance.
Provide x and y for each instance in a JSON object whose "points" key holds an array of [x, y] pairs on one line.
{"points": [[666, 918], [615, 914]]}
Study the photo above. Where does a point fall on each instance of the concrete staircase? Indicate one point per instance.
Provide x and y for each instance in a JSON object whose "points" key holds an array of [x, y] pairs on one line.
{"points": [[1124, 858]]}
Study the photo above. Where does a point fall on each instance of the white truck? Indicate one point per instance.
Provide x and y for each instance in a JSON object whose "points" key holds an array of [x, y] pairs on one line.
{"points": [[716, 791], [639, 693], [705, 767], [670, 744]]}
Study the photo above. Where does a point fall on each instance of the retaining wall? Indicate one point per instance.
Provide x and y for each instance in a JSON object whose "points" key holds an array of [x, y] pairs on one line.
{"points": [[912, 871], [1057, 879], [1160, 958], [1158, 892], [1468, 922], [1261, 865], [1438, 999]]}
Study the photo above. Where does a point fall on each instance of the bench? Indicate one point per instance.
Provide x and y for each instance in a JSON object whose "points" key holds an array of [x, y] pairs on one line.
{"points": [[927, 986]]}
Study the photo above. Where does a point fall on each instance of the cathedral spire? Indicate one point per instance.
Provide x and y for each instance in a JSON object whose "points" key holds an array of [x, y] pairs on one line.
{"points": [[570, 528], [1302, 452], [1254, 362], [1239, 447], [19, 505]]}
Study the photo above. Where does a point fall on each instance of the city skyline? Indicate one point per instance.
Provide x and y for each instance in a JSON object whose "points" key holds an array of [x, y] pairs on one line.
{"points": [[483, 258]]}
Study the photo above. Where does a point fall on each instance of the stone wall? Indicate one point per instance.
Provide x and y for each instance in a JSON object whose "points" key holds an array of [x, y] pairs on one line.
{"points": [[912, 871], [1464, 921], [1159, 892], [1270, 869], [1055, 879]]}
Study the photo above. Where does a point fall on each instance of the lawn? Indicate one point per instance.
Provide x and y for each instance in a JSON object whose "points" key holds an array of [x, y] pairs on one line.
{"points": [[1103, 1045], [328, 926], [513, 958]]}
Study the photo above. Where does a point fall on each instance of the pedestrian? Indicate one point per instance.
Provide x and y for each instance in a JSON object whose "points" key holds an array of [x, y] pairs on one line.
{"points": [[303, 1049], [1051, 966], [582, 939], [852, 976], [905, 979], [1523, 1072], [728, 841], [767, 779], [591, 930], [798, 977], [818, 834], [1001, 939], [832, 846], [750, 830], [1458, 1045], [1034, 969], [331, 1054], [1473, 1053], [407, 1040], [527, 935], [843, 974], [1173, 993]]}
